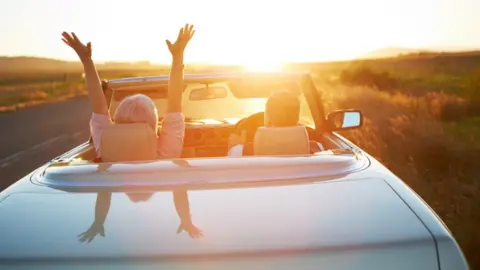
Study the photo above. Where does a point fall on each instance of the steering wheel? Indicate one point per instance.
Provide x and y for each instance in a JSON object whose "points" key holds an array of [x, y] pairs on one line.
{"points": [[250, 124]]}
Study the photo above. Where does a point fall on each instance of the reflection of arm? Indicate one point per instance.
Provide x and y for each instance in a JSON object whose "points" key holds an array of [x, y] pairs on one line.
{"points": [[102, 206], [180, 198], [182, 205]]}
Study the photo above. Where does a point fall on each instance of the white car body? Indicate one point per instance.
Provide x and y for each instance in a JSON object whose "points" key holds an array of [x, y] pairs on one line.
{"points": [[335, 209]]}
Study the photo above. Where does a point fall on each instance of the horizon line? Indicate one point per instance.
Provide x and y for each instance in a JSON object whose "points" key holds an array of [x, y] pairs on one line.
{"points": [[148, 62], [362, 57]]}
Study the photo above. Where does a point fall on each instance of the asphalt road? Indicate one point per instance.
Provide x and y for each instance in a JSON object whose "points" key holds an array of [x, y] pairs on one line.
{"points": [[31, 137]]}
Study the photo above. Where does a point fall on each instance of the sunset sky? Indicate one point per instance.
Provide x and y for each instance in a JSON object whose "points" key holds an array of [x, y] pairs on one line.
{"points": [[234, 31]]}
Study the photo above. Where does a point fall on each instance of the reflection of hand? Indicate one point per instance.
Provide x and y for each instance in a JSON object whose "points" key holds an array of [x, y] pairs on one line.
{"points": [[84, 52], [236, 139], [184, 36], [91, 233], [193, 231]]}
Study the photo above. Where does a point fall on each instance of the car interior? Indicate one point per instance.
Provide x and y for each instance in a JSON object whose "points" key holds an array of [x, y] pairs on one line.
{"points": [[136, 142], [207, 136]]}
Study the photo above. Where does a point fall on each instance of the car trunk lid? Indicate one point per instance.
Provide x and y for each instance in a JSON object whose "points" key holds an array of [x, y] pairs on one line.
{"points": [[362, 224]]}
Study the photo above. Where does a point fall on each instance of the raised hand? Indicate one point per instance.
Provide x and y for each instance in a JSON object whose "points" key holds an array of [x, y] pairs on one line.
{"points": [[184, 36], [83, 51]]}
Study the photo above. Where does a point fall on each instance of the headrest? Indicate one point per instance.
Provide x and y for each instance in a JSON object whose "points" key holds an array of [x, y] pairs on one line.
{"points": [[128, 142], [281, 141]]}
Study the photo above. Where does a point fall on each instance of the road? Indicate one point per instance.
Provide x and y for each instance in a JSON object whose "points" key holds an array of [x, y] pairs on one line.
{"points": [[32, 136]]}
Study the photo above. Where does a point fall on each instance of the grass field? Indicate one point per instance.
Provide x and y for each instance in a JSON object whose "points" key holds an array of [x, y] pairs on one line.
{"points": [[438, 160], [421, 120], [30, 87], [21, 89]]}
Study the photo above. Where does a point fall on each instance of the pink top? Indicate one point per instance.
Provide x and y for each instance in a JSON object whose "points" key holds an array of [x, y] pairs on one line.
{"points": [[170, 139]]}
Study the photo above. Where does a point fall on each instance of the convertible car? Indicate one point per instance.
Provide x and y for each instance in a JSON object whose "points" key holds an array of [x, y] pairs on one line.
{"points": [[299, 198]]}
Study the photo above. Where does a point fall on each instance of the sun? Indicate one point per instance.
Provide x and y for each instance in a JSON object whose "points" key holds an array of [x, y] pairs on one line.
{"points": [[263, 66]]}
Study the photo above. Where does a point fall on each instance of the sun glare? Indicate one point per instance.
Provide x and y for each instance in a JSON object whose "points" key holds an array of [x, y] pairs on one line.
{"points": [[263, 67]]}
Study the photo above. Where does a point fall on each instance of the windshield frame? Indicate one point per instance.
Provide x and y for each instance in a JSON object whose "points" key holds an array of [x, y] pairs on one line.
{"points": [[302, 80], [307, 85]]}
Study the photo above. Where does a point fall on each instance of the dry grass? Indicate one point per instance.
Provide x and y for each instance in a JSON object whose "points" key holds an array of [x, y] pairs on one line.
{"points": [[14, 97], [32, 87], [406, 134]]}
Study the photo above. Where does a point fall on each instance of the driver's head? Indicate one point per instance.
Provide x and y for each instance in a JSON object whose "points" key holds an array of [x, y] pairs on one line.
{"points": [[282, 110], [137, 109]]}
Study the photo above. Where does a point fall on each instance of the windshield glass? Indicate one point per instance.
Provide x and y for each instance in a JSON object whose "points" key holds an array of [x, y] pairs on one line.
{"points": [[222, 101]]}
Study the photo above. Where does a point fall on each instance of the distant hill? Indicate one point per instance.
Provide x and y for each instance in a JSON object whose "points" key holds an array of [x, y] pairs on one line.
{"points": [[390, 52], [16, 64], [385, 56], [442, 54], [33, 63]]}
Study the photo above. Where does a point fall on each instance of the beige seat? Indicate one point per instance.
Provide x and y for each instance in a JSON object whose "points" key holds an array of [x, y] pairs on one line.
{"points": [[128, 142], [281, 141]]}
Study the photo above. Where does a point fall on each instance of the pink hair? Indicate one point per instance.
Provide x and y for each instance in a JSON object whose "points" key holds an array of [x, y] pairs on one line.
{"points": [[137, 108]]}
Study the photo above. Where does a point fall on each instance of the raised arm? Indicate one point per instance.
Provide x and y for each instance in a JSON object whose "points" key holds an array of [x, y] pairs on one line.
{"points": [[94, 85], [175, 82]]}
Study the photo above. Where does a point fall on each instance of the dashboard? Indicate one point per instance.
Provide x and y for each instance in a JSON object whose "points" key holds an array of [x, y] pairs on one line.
{"points": [[206, 140], [210, 140]]}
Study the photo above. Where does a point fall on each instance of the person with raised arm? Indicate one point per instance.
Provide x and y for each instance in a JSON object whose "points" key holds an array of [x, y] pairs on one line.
{"points": [[138, 108]]}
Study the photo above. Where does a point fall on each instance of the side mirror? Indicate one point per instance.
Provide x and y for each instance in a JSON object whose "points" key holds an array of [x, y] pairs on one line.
{"points": [[345, 119]]}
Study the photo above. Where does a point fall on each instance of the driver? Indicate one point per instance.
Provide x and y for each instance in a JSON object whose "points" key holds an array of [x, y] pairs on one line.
{"points": [[282, 109]]}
